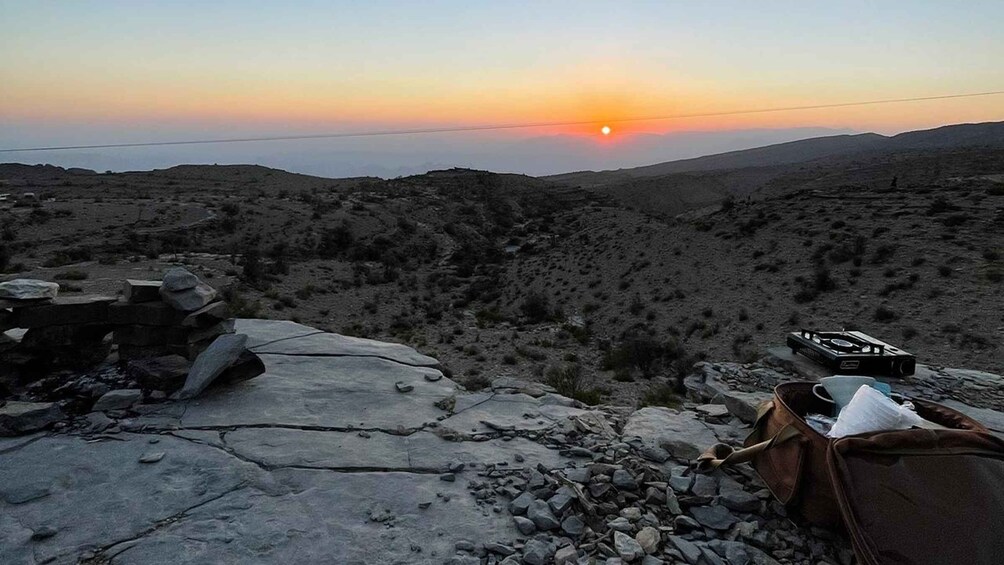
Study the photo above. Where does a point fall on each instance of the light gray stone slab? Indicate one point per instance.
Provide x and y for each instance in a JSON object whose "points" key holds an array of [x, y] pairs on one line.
{"points": [[269, 336], [427, 450], [332, 392], [260, 332], [488, 413], [332, 450], [325, 518], [418, 452], [98, 493], [682, 434], [28, 289], [218, 357]]}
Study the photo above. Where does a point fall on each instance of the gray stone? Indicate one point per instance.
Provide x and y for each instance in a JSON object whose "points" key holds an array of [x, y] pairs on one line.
{"points": [[704, 485], [651, 560], [519, 504], [566, 555], [691, 553], [98, 422], [28, 289], [561, 501], [710, 557], [17, 418], [649, 539], [118, 399], [620, 524], [573, 526], [153, 457], [538, 551], [404, 387], [463, 560], [524, 525], [179, 278], [290, 338], [136, 291], [542, 517], [188, 300], [166, 373], [623, 480], [740, 501], [499, 548], [209, 315], [632, 513], [672, 502], [682, 434], [685, 523], [714, 517], [627, 548], [680, 482], [223, 353]]}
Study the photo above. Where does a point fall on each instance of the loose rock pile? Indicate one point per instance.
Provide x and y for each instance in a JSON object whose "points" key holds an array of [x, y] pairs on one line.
{"points": [[630, 501], [170, 337]]}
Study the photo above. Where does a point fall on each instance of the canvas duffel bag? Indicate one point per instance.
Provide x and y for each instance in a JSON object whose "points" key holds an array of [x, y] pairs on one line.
{"points": [[904, 497]]}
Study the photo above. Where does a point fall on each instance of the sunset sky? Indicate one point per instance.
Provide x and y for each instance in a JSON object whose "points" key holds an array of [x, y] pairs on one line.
{"points": [[103, 71]]}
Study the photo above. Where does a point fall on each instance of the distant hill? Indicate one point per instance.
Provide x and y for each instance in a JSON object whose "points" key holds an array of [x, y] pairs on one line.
{"points": [[961, 135]]}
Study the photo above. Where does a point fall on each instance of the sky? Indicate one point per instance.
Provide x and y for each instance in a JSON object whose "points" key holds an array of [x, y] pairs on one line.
{"points": [[89, 72]]}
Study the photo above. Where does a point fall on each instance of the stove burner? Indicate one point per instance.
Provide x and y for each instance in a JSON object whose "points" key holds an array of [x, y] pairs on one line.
{"points": [[852, 353], [842, 344]]}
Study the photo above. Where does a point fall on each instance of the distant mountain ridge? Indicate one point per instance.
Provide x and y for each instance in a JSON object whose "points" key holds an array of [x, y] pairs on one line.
{"points": [[959, 135]]}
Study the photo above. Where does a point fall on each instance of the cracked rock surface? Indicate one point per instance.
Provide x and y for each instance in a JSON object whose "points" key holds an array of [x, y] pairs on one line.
{"points": [[352, 451], [320, 459]]}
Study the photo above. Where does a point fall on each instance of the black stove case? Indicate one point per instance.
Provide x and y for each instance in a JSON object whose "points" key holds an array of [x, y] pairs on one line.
{"points": [[852, 353]]}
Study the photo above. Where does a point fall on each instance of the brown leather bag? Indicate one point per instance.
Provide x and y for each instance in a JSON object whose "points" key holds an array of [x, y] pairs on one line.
{"points": [[893, 492]]}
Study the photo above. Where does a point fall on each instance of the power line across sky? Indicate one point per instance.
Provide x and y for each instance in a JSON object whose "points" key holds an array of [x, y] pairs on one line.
{"points": [[488, 127]]}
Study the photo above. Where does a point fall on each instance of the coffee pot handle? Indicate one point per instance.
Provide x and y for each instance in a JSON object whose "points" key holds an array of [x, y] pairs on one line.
{"points": [[815, 390]]}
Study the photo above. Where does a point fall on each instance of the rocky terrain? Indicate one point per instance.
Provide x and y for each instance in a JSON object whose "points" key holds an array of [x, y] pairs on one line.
{"points": [[505, 275], [355, 451], [461, 367]]}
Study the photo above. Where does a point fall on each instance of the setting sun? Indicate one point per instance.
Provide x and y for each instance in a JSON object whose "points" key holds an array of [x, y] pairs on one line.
{"points": [[605, 130]]}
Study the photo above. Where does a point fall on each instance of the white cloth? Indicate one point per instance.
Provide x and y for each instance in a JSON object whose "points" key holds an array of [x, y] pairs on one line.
{"points": [[872, 411]]}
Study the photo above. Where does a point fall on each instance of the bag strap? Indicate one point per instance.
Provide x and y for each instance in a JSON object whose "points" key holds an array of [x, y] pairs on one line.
{"points": [[723, 454]]}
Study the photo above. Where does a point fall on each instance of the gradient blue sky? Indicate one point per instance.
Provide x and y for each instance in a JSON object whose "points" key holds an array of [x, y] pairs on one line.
{"points": [[128, 70]]}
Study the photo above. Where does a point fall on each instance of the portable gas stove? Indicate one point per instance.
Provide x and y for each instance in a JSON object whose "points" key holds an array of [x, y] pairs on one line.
{"points": [[852, 353]]}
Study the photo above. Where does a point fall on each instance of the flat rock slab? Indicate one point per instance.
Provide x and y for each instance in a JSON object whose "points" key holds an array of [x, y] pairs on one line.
{"points": [[325, 392], [379, 451], [324, 517], [28, 289], [290, 338], [683, 434], [320, 460], [96, 494], [483, 413]]}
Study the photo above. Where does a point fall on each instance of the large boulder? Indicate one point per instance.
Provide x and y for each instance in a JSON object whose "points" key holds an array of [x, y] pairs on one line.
{"points": [[18, 418], [28, 289], [211, 363], [178, 278]]}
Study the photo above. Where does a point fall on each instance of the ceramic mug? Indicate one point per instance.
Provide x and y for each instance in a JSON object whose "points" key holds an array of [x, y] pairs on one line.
{"points": [[841, 388]]}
